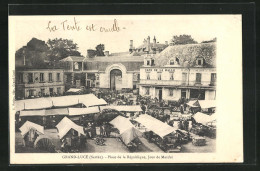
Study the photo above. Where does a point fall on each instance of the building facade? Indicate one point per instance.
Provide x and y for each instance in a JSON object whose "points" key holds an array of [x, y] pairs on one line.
{"points": [[180, 71], [31, 83], [114, 71]]}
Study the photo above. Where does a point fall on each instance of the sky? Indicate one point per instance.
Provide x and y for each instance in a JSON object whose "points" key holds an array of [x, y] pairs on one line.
{"points": [[135, 27]]}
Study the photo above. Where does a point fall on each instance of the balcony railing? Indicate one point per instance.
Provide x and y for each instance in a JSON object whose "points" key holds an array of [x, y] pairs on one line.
{"points": [[177, 82]]}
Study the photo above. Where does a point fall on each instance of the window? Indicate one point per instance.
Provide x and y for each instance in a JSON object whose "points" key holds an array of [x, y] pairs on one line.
{"points": [[76, 65], [177, 60], [184, 77], [50, 77], [31, 92], [170, 92], [20, 77], [59, 90], [138, 77], [30, 77], [198, 78], [213, 78], [159, 76], [58, 76], [171, 62], [42, 91], [147, 91], [171, 76], [41, 77], [199, 62], [152, 62], [148, 62], [148, 76]]}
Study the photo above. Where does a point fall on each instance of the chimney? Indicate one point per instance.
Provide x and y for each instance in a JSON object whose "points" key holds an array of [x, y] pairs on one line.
{"points": [[154, 41], [166, 43], [148, 43], [131, 44], [106, 53]]}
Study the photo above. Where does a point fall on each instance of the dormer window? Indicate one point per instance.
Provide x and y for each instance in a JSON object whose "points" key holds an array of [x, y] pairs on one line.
{"points": [[199, 61], [174, 61], [171, 62], [152, 62]]}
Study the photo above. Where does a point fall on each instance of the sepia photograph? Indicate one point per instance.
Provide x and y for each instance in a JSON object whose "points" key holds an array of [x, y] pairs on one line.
{"points": [[127, 85]]}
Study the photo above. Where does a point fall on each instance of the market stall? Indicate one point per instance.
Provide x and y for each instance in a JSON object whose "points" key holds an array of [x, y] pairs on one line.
{"points": [[127, 131], [71, 135], [205, 124], [30, 131], [160, 133]]}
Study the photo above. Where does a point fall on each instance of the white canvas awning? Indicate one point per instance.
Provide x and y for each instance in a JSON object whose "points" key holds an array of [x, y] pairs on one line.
{"points": [[44, 112], [207, 103], [92, 100], [59, 111], [204, 118], [74, 90], [62, 101], [30, 125], [65, 125], [123, 108], [83, 111], [31, 104], [191, 103], [155, 125], [126, 129], [32, 113]]}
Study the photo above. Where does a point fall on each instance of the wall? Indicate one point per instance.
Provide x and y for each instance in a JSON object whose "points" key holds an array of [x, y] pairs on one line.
{"points": [[210, 95], [37, 84], [166, 92]]}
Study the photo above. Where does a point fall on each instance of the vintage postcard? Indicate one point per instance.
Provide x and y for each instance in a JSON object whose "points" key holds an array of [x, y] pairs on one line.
{"points": [[125, 89]]}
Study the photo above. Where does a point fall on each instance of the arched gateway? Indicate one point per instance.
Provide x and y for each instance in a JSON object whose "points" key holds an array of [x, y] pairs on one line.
{"points": [[115, 79]]}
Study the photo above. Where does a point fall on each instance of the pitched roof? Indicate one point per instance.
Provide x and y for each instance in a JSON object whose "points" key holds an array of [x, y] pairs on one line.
{"points": [[125, 58], [30, 125], [189, 53], [65, 125], [74, 58]]}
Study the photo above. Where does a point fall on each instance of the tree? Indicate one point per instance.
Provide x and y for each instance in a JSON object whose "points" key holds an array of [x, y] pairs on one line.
{"points": [[39, 54], [91, 53], [32, 55], [210, 41], [100, 50], [183, 39], [61, 48]]}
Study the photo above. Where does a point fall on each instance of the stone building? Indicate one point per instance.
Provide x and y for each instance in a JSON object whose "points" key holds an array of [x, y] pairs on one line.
{"points": [[74, 71], [180, 71], [113, 71], [31, 83]]}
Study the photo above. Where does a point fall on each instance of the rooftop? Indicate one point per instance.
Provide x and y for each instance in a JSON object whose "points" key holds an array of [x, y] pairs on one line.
{"points": [[74, 58], [188, 54]]}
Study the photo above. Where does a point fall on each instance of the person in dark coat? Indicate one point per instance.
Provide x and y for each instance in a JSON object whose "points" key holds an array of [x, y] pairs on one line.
{"points": [[101, 128], [93, 130], [107, 130]]}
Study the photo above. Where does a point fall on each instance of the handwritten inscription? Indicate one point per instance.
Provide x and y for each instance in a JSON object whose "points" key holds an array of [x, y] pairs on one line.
{"points": [[75, 25]]}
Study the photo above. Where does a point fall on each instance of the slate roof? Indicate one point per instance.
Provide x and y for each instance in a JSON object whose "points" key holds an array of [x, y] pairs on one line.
{"points": [[188, 54], [132, 63], [74, 58]]}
